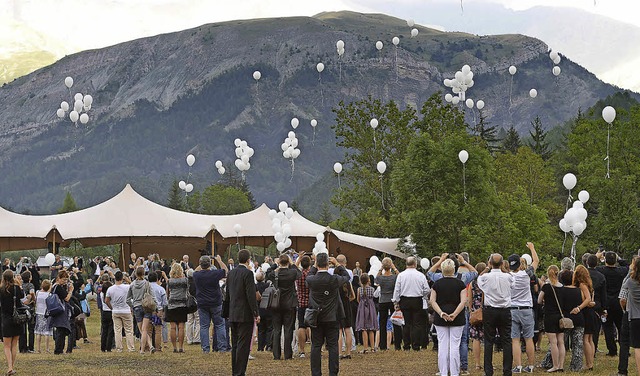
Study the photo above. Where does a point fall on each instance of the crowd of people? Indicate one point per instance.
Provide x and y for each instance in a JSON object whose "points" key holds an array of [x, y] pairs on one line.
{"points": [[285, 304]]}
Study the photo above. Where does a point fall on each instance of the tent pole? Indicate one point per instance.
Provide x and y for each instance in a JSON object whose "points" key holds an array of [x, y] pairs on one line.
{"points": [[53, 247], [328, 238], [213, 242]]}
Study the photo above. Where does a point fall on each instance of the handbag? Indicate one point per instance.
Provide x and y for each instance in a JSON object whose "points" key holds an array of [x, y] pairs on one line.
{"points": [[54, 304], [397, 318], [148, 302], [565, 322], [311, 317], [274, 295], [475, 318], [192, 303], [21, 314]]}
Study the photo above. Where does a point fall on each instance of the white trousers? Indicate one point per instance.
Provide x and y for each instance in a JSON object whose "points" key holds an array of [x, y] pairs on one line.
{"points": [[449, 349]]}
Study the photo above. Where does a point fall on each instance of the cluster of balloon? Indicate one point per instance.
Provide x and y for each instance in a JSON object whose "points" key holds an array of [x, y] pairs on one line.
{"points": [[314, 124], [243, 153], [382, 167], [220, 167], [185, 185], [462, 81], [320, 68], [281, 226], [337, 168], [81, 106], [609, 115], [374, 265], [340, 50], [463, 156], [290, 147], [575, 218], [49, 259], [374, 124], [555, 57], [425, 263], [320, 246]]}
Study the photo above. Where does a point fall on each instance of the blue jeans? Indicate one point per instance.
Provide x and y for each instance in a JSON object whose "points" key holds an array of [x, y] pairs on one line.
{"points": [[464, 343], [207, 315]]}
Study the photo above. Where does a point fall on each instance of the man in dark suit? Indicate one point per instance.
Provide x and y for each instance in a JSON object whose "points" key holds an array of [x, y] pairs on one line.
{"points": [[242, 310], [284, 316], [323, 294]]}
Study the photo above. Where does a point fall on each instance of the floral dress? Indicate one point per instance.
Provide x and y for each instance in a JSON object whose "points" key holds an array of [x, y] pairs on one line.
{"points": [[475, 331]]}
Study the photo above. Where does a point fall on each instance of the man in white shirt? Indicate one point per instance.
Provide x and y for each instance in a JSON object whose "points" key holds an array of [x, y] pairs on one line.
{"points": [[496, 314], [116, 299], [410, 289], [522, 318]]}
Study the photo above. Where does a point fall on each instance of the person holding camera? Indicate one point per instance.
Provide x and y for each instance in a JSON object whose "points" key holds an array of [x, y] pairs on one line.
{"points": [[614, 272], [283, 318]]}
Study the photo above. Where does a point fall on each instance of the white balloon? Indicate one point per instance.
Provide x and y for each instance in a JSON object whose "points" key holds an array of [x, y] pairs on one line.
{"points": [[463, 156], [564, 226], [73, 115], [382, 167], [425, 264], [314, 122], [571, 217], [533, 93], [553, 55], [283, 206], [395, 41], [294, 123], [320, 67], [244, 158], [188, 188], [281, 247], [286, 154], [60, 113], [578, 204], [582, 214], [78, 97], [556, 60], [583, 196], [340, 44], [569, 181], [265, 267], [84, 118], [379, 45], [480, 104], [87, 100], [512, 70], [64, 106], [556, 70], [272, 213], [455, 100], [319, 237], [257, 75], [191, 160], [527, 258], [68, 82], [414, 33], [243, 144], [448, 97], [237, 227], [609, 114], [374, 260], [374, 123], [291, 134], [182, 184], [218, 164], [287, 243], [77, 106], [410, 22], [50, 258], [221, 170], [469, 103], [578, 228], [236, 142], [466, 70], [337, 167], [288, 213], [296, 153]]}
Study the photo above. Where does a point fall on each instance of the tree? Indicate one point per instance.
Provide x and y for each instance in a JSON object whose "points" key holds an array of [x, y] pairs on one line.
{"points": [[219, 199], [511, 142], [233, 178], [487, 135], [68, 205], [176, 198], [538, 143], [325, 215]]}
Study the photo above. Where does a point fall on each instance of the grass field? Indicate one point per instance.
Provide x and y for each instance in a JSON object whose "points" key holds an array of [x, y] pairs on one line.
{"points": [[88, 360]]}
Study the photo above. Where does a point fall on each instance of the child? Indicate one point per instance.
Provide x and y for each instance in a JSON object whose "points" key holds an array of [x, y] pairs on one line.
{"points": [[366, 320], [42, 325]]}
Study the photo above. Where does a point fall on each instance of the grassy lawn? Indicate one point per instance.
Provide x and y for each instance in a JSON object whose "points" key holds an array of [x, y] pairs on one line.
{"points": [[88, 360]]}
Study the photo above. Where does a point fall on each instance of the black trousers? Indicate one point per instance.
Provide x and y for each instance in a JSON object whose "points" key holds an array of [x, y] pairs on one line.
{"points": [[596, 335], [106, 331], [386, 310], [27, 338], [60, 335], [265, 335], [623, 359], [72, 336], [240, 346], [500, 319], [613, 324], [283, 320], [413, 322], [325, 333]]}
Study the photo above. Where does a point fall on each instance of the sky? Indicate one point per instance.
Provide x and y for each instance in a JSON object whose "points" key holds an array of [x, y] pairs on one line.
{"points": [[74, 25]]}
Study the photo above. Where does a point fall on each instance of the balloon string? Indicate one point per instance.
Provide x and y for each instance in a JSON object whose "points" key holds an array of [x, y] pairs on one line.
{"points": [[313, 140], [564, 241], [607, 158], [569, 199], [462, 8], [382, 191], [464, 183], [573, 248], [510, 91], [293, 168], [321, 94], [374, 140], [396, 63], [339, 186]]}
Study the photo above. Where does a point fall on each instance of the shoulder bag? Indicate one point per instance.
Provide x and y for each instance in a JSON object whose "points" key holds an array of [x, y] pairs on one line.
{"points": [[148, 302], [21, 313], [54, 304], [565, 322], [475, 317], [192, 303], [274, 294]]}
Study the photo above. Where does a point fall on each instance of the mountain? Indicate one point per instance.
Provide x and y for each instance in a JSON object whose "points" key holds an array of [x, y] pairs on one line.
{"points": [[160, 98]]}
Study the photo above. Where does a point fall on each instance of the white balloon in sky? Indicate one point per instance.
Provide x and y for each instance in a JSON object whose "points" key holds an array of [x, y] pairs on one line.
{"points": [[182, 184], [469, 103], [480, 104], [188, 188], [84, 118], [257, 75], [463, 156], [512, 70], [340, 44], [533, 93], [569, 181], [374, 123], [314, 122], [294, 123], [609, 114], [68, 82], [382, 167], [320, 67], [337, 167], [410, 22], [191, 160], [395, 41], [414, 33], [556, 70], [379, 45]]}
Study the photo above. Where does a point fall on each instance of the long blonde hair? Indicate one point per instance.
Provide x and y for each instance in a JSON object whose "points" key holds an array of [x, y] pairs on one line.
{"points": [[552, 272], [176, 271]]}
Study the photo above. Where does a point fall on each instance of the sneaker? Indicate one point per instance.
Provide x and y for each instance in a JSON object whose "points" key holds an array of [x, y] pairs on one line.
{"points": [[528, 369], [517, 369], [464, 372], [251, 357], [301, 355]]}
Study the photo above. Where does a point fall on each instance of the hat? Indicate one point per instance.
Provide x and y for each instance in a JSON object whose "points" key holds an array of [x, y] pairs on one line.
{"points": [[514, 262]]}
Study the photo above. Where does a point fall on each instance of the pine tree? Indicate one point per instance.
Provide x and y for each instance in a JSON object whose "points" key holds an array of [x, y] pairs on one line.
{"points": [[325, 215], [488, 134], [176, 198], [233, 178], [512, 142], [69, 204], [538, 143]]}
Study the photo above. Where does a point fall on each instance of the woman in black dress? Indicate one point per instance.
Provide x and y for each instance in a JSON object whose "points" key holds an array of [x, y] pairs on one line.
{"points": [[550, 295], [10, 292]]}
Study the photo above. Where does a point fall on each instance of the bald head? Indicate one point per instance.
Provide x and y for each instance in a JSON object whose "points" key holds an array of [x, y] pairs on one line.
{"points": [[412, 262], [342, 260], [496, 261]]}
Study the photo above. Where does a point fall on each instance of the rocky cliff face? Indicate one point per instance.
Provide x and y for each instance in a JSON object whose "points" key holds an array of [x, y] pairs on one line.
{"points": [[157, 99]]}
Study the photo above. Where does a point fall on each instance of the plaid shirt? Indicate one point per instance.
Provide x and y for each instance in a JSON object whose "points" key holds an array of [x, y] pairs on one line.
{"points": [[624, 292], [303, 289]]}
